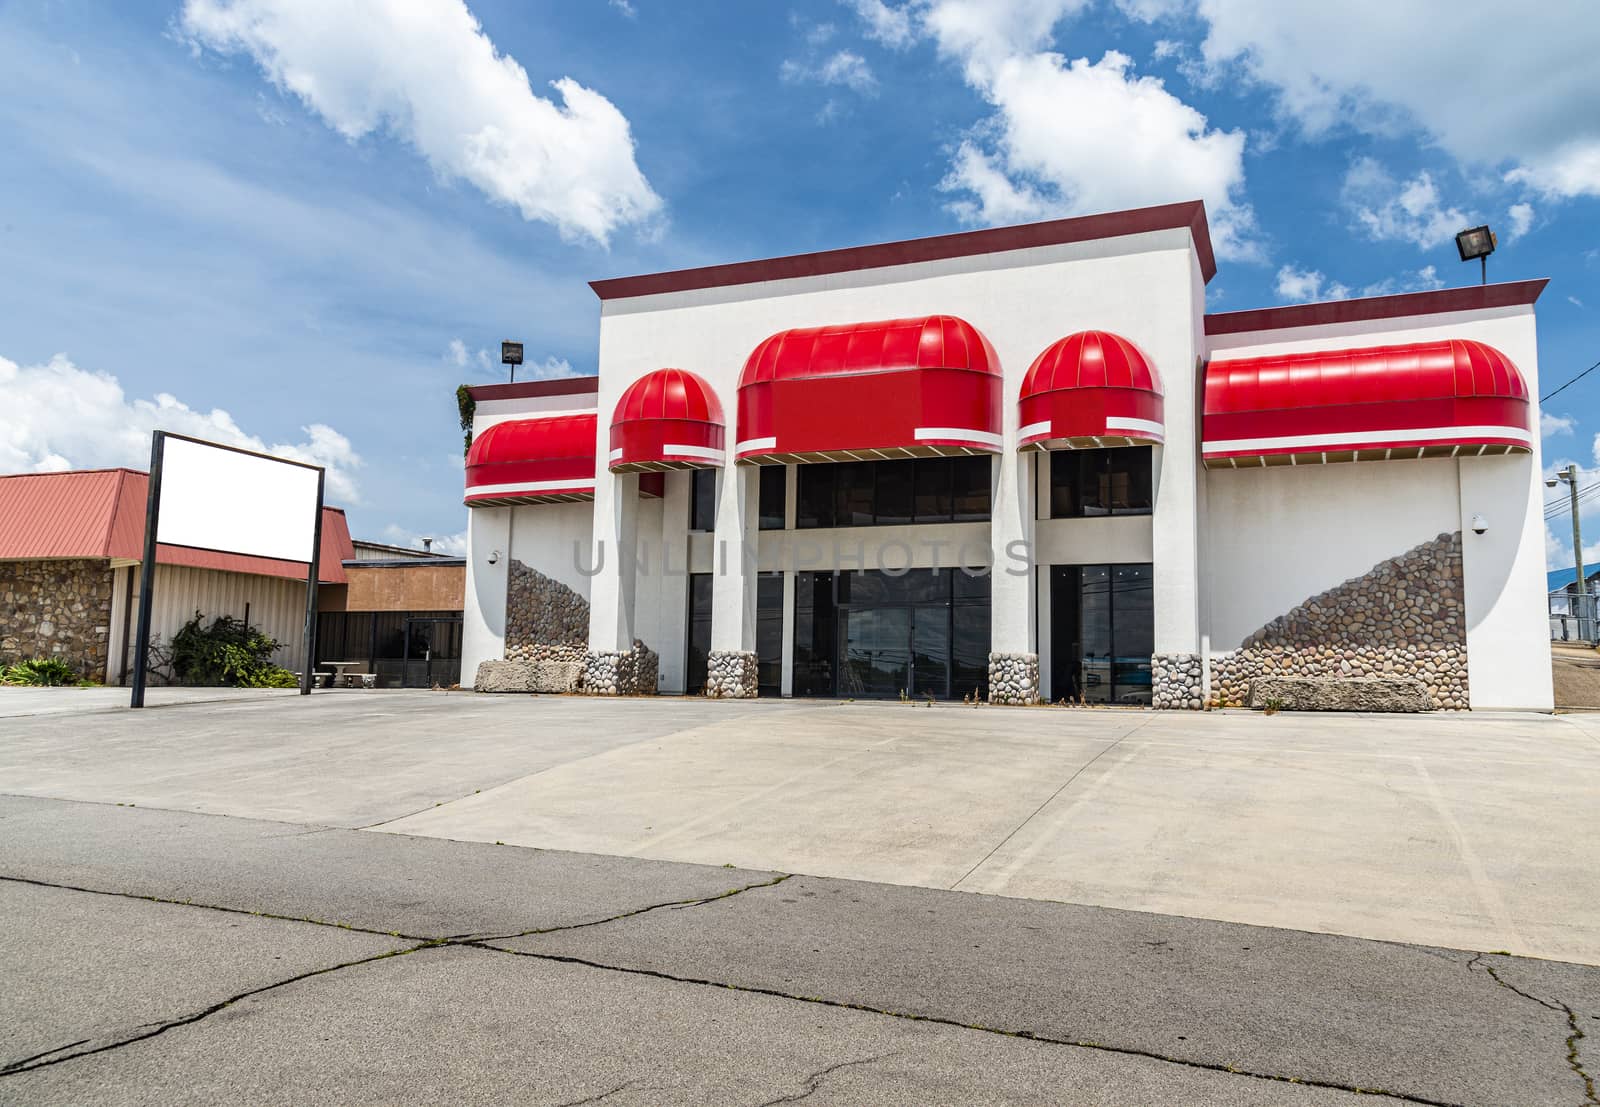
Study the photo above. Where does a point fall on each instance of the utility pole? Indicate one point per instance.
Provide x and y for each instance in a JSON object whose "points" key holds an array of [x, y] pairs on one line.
{"points": [[1570, 475]]}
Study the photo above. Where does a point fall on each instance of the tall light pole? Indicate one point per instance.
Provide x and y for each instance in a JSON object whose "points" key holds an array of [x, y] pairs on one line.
{"points": [[1570, 476]]}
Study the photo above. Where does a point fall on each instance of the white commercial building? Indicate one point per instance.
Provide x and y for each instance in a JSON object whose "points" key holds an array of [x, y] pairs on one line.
{"points": [[1015, 464]]}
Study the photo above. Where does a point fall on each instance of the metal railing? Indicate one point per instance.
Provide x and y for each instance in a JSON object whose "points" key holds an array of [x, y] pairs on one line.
{"points": [[1573, 618]]}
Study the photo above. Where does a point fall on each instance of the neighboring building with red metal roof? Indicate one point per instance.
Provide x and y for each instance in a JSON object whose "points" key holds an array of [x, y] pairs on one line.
{"points": [[70, 550]]}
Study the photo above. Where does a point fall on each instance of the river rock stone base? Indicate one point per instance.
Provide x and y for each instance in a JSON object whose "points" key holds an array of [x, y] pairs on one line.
{"points": [[1403, 618], [536, 652], [1177, 682], [1014, 678], [731, 675], [632, 672], [1351, 694], [542, 614], [503, 676]]}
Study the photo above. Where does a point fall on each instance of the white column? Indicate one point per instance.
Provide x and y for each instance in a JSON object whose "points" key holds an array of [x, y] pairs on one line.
{"points": [[733, 588], [611, 592], [483, 625], [1011, 533]]}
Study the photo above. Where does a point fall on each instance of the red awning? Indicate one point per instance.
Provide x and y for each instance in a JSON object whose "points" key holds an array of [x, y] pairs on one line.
{"points": [[1424, 399], [668, 419], [533, 461], [899, 388], [1088, 390]]}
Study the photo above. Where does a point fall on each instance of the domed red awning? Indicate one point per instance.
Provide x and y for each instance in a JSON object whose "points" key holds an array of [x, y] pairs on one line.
{"points": [[531, 461], [1424, 399], [667, 419], [1088, 390], [918, 387]]}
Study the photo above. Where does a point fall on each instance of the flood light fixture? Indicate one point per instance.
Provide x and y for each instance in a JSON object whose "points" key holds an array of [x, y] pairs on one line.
{"points": [[1477, 243]]}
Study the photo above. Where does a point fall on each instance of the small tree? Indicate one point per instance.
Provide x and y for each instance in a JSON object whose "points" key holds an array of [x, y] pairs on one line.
{"points": [[226, 653]]}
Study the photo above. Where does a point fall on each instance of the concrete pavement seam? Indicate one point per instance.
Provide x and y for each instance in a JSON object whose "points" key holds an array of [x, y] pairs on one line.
{"points": [[16, 1068], [1025, 1035], [1574, 1062], [601, 1097]]}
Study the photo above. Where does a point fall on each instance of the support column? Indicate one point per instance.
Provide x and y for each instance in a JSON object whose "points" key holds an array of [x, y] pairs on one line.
{"points": [[675, 581], [618, 663], [1013, 652], [483, 627], [1177, 669], [731, 667]]}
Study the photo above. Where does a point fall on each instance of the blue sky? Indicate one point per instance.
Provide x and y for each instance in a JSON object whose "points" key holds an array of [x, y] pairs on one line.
{"points": [[296, 224]]}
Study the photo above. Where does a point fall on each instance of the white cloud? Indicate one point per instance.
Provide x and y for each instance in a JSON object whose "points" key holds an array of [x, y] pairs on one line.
{"points": [[1303, 286], [1521, 220], [887, 25], [457, 353], [427, 73], [1574, 301], [1075, 137], [1555, 424], [1409, 211], [58, 416], [1490, 89], [548, 369], [626, 8], [454, 545], [843, 68]]}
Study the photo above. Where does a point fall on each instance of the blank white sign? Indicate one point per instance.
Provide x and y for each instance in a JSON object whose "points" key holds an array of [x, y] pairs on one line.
{"points": [[220, 499]]}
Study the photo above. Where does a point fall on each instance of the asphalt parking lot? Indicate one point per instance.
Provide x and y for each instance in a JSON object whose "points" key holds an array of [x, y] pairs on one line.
{"points": [[369, 896]]}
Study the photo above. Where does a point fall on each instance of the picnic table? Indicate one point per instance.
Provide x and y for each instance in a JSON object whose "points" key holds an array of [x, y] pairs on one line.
{"points": [[340, 676]]}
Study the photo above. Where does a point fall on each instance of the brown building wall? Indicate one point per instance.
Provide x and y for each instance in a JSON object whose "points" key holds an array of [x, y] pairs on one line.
{"points": [[420, 587], [57, 608]]}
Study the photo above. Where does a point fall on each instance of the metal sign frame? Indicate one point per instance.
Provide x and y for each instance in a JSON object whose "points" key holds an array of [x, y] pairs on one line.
{"points": [[147, 568]]}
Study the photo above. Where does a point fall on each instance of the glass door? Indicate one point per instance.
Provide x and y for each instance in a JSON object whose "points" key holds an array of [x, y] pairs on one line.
{"points": [[1102, 633], [432, 653], [699, 649]]}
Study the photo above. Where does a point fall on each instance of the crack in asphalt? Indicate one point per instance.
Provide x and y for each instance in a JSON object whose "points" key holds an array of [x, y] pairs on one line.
{"points": [[815, 1080], [940, 1020], [18, 1067], [1574, 1061], [676, 905], [215, 907], [624, 1086]]}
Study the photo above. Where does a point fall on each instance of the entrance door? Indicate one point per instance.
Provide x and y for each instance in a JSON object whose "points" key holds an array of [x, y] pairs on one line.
{"points": [[432, 653], [698, 658], [1102, 633]]}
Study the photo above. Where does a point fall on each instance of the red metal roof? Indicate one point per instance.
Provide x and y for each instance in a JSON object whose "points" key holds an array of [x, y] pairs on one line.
{"points": [[1189, 214], [99, 513], [1090, 389], [667, 419], [1442, 398], [537, 460], [896, 388]]}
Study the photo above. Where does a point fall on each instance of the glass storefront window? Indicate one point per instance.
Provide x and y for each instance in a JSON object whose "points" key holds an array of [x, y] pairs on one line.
{"points": [[1100, 482], [703, 500], [1102, 633], [774, 496], [769, 633], [892, 493], [699, 648]]}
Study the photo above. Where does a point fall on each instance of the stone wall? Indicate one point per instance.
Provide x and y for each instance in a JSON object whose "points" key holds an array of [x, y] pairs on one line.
{"points": [[545, 620], [632, 672], [1014, 678], [1177, 682], [1404, 618], [732, 675], [59, 608]]}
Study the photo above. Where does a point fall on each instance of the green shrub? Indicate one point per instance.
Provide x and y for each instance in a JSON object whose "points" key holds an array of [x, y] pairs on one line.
{"points": [[39, 672], [226, 653]]}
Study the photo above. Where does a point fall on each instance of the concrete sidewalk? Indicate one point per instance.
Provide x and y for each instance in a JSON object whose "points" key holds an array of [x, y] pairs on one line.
{"points": [[1467, 831], [198, 958]]}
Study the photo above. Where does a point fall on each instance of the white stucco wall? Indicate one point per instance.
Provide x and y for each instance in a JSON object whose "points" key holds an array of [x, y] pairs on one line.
{"points": [[1277, 532]]}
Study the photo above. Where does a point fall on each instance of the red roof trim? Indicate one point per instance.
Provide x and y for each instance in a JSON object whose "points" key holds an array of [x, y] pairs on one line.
{"points": [[524, 390], [996, 240], [1471, 298]]}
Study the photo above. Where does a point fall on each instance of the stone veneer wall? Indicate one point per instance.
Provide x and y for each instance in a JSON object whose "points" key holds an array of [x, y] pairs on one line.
{"points": [[545, 620], [732, 675], [1014, 678], [1177, 682], [632, 672], [58, 608], [1404, 618]]}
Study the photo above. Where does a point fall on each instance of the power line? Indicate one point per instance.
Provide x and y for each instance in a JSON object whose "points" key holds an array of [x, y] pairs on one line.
{"points": [[1570, 383], [1557, 508]]}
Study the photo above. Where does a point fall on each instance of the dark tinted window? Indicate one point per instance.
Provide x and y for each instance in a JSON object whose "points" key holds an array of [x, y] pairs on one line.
{"points": [[769, 632], [703, 500], [699, 650], [774, 494], [888, 493], [1100, 482]]}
